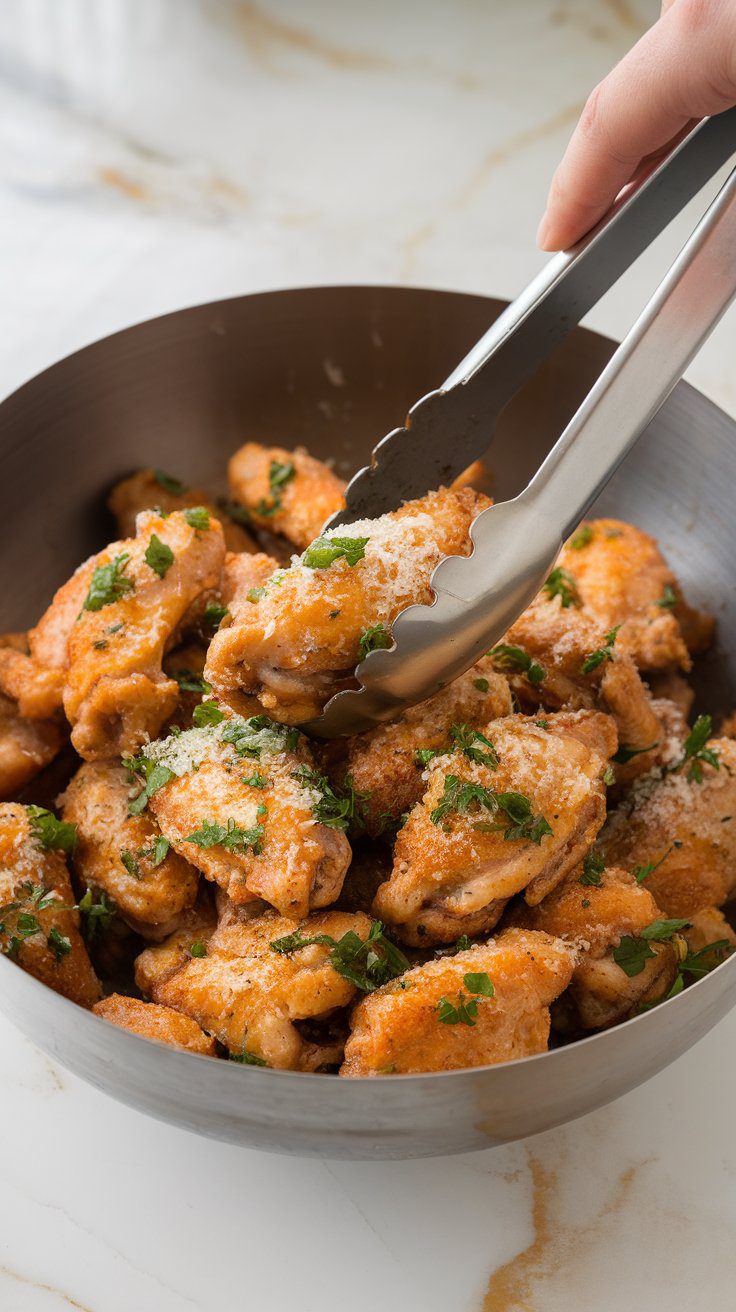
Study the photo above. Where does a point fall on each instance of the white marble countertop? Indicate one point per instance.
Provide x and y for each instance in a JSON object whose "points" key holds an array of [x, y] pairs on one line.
{"points": [[157, 153]]}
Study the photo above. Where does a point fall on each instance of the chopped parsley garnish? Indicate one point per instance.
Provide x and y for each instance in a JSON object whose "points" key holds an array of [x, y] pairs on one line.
{"points": [[325, 551], [213, 616], [255, 594], [627, 753], [60, 945], [462, 798], [696, 752], [198, 949], [542, 724], [463, 739], [169, 483], [507, 657], [188, 681], [231, 836], [158, 556], [376, 637], [609, 776], [560, 583], [206, 713], [259, 734], [601, 654], [257, 780], [130, 862], [466, 1010], [593, 867], [634, 951], [154, 776], [367, 963], [197, 517], [669, 599], [279, 475], [53, 834], [157, 852], [247, 1058], [19, 919], [642, 872], [235, 511], [337, 810], [97, 915], [481, 684], [109, 583], [460, 945], [581, 539]]}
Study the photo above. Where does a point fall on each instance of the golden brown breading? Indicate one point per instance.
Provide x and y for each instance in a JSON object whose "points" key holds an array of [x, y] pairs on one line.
{"points": [[153, 1021], [39, 926], [382, 763], [287, 492], [454, 869], [397, 1029], [116, 694], [685, 829], [243, 574], [707, 927], [249, 996], [593, 917], [622, 578], [155, 885], [26, 746], [302, 641], [255, 787], [561, 641], [144, 491]]}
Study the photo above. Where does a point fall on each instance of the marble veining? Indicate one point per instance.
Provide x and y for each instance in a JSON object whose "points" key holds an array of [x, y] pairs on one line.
{"points": [[157, 153]]}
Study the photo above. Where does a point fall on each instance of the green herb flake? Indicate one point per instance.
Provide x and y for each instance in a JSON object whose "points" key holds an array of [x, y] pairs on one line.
{"points": [[259, 734], [188, 681], [158, 556], [170, 484], [669, 599], [609, 776], [581, 538], [207, 713], [154, 776], [213, 616], [255, 594], [479, 983], [643, 872], [627, 753], [198, 949], [97, 916], [376, 637], [481, 684], [257, 780], [130, 863], [60, 945], [367, 963], [325, 551], [109, 584], [52, 834], [247, 1058], [593, 867], [197, 517], [230, 836], [337, 810], [601, 654], [462, 798], [560, 583], [696, 752], [507, 657]]}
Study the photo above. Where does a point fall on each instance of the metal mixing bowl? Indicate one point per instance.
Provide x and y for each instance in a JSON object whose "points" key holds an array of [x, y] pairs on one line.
{"points": [[334, 368]]}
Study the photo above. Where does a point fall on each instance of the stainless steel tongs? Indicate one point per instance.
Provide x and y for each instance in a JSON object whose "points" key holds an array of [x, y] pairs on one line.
{"points": [[516, 542]]}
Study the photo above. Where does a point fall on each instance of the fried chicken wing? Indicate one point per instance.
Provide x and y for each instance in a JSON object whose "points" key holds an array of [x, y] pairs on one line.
{"points": [[515, 815], [622, 578], [556, 656], [116, 695], [306, 633], [407, 1026], [707, 928], [382, 765], [242, 804], [593, 910], [251, 997], [124, 854], [150, 489], [287, 492], [242, 577], [153, 1021], [684, 829], [39, 926]]}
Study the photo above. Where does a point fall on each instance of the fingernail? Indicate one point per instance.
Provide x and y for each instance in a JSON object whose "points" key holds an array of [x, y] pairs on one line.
{"points": [[542, 230]]}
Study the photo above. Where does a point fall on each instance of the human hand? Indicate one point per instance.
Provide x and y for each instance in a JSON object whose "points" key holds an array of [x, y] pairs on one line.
{"points": [[681, 70]]}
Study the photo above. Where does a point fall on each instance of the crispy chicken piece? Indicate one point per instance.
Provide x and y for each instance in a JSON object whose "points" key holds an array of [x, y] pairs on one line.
{"points": [[461, 855], [622, 578], [398, 1028], [243, 574], [303, 639], [34, 688], [249, 996], [155, 490], [684, 829], [124, 854], [561, 642], [287, 492], [26, 747], [382, 764], [185, 664], [153, 1021], [116, 695], [708, 927], [593, 918], [39, 926], [250, 795]]}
